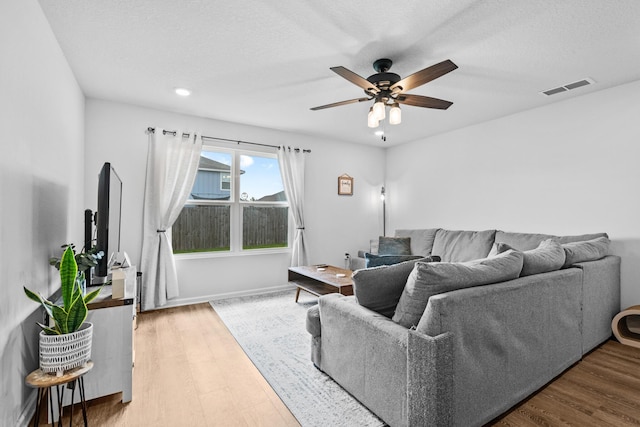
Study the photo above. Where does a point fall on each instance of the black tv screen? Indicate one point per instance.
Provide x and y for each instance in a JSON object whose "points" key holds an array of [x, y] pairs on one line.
{"points": [[108, 220]]}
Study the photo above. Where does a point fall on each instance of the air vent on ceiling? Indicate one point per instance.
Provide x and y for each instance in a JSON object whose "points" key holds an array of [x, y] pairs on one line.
{"points": [[570, 86]]}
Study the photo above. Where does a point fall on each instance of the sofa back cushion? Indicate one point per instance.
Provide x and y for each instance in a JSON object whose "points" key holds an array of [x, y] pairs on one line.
{"points": [[590, 250], [428, 279], [548, 256], [379, 288], [527, 241], [460, 245], [421, 240]]}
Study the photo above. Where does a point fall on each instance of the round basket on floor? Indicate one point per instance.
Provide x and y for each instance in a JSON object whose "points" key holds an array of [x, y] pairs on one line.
{"points": [[59, 353]]}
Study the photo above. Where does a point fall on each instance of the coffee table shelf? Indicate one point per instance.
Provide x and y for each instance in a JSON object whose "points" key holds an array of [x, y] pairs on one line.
{"points": [[320, 281]]}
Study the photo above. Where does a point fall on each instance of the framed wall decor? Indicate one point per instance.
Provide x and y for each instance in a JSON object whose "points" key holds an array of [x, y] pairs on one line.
{"points": [[345, 185]]}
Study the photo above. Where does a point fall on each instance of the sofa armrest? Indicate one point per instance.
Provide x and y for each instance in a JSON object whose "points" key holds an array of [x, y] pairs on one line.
{"points": [[358, 263], [313, 321], [403, 376], [508, 339], [366, 353], [429, 379], [600, 300], [315, 329]]}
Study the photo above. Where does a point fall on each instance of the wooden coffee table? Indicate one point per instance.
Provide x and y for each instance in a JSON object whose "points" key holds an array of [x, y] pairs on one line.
{"points": [[321, 280]]}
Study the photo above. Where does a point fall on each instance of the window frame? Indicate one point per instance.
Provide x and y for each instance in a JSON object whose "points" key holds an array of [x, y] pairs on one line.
{"points": [[236, 208]]}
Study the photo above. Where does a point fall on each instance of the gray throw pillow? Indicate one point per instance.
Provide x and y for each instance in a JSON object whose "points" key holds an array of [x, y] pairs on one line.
{"points": [[431, 279], [379, 288], [590, 250], [499, 248], [548, 256], [372, 260], [394, 245]]}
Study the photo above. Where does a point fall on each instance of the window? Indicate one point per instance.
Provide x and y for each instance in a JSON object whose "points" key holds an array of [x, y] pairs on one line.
{"points": [[225, 182], [237, 204]]}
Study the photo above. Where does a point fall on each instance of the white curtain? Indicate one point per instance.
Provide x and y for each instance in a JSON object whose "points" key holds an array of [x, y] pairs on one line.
{"points": [[292, 169], [172, 164]]}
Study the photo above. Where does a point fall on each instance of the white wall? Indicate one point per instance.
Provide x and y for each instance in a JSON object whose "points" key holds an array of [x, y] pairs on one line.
{"points": [[335, 224], [41, 187], [567, 168]]}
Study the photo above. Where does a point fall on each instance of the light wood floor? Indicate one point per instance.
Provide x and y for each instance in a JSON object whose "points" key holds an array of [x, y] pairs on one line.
{"points": [[191, 372]]}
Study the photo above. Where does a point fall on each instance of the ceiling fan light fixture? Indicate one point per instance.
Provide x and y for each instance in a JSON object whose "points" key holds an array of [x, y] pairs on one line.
{"points": [[372, 121], [379, 109], [395, 114]]}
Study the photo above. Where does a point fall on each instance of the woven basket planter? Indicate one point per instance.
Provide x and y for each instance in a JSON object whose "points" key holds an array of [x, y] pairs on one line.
{"points": [[59, 353]]}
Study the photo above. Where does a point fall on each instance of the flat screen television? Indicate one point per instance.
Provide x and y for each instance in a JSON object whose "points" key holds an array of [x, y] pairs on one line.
{"points": [[108, 221]]}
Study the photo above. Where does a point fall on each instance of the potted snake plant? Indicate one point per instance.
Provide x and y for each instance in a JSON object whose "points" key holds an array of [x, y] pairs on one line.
{"points": [[66, 344]]}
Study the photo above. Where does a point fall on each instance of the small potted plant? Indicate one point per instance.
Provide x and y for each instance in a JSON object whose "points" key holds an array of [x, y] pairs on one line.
{"points": [[85, 260], [66, 344]]}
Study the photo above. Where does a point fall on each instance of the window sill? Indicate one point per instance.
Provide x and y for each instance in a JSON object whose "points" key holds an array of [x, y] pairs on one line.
{"points": [[204, 255]]}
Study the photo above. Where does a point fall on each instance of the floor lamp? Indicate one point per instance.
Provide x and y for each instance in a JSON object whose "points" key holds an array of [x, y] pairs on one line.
{"points": [[384, 214]]}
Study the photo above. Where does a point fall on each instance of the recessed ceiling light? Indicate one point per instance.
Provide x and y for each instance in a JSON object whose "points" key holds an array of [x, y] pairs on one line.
{"points": [[182, 91], [379, 132]]}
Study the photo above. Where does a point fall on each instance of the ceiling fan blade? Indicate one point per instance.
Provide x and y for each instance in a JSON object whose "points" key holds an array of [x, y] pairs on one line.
{"points": [[337, 104], [425, 76], [355, 79], [423, 101]]}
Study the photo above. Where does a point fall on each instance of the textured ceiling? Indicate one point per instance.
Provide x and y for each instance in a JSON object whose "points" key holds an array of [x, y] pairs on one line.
{"points": [[266, 63]]}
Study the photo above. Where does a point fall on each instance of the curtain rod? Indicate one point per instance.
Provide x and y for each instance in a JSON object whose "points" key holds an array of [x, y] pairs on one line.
{"points": [[237, 141]]}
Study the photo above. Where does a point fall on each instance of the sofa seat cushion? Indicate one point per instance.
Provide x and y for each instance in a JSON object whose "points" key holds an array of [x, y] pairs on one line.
{"points": [[379, 288], [394, 245], [590, 250], [460, 245], [372, 260], [548, 256], [428, 279]]}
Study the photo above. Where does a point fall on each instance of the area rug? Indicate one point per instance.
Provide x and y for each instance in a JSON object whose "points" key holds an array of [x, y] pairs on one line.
{"points": [[270, 328]]}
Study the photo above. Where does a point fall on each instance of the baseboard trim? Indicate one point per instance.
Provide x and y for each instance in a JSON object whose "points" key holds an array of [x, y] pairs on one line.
{"points": [[213, 297], [28, 410]]}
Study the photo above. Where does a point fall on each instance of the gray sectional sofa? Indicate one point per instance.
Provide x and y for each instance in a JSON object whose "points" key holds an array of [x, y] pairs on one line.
{"points": [[486, 335]]}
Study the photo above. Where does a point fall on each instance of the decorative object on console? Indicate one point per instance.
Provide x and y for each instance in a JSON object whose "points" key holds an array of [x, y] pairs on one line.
{"points": [[117, 283], [345, 185], [85, 260], [67, 344]]}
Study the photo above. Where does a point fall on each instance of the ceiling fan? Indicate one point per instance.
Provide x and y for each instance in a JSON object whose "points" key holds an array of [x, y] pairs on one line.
{"points": [[388, 89]]}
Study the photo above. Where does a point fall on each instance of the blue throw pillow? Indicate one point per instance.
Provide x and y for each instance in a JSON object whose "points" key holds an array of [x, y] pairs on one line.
{"points": [[372, 260]]}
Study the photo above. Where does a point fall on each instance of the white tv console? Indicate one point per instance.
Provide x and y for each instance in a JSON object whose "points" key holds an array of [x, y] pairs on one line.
{"points": [[112, 348]]}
